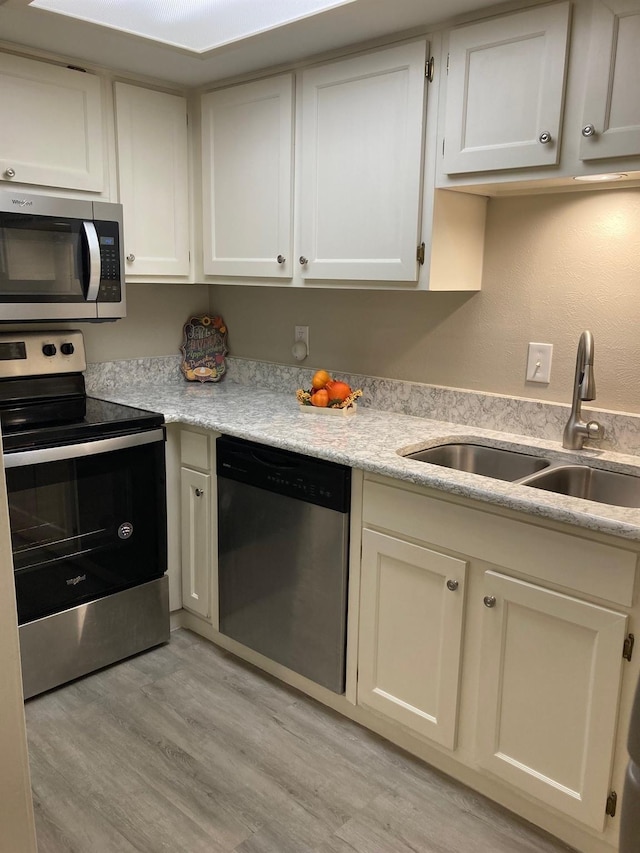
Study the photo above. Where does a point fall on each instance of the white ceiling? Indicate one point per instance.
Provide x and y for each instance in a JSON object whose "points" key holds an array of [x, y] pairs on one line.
{"points": [[196, 25], [338, 27]]}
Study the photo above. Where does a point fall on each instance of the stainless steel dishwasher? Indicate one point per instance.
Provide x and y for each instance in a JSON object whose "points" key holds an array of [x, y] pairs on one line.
{"points": [[283, 538]]}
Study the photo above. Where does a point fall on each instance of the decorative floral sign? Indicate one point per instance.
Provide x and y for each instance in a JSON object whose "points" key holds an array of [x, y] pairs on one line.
{"points": [[204, 347]]}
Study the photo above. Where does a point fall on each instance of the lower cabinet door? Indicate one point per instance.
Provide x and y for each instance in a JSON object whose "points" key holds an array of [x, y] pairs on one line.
{"points": [[411, 612], [549, 683], [196, 541]]}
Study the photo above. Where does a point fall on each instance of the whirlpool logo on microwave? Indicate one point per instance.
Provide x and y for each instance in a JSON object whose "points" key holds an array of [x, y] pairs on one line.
{"points": [[75, 581], [22, 202]]}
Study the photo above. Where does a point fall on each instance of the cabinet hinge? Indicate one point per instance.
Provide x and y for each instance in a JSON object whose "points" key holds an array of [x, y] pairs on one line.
{"points": [[429, 69], [612, 802], [627, 648], [447, 63], [420, 254], [443, 146]]}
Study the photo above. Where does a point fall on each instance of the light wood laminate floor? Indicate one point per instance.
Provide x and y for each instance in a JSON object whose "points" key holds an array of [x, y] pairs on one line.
{"points": [[186, 749]]}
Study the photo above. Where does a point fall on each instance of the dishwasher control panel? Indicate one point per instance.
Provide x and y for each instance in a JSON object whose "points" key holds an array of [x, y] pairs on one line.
{"points": [[306, 478]]}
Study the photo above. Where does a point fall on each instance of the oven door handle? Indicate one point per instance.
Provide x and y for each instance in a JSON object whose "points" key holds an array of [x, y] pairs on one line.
{"points": [[93, 285], [75, 451]]}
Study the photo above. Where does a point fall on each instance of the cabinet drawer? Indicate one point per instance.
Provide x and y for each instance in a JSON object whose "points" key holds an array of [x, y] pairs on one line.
{"points": [[570, 561], [194, 450]]}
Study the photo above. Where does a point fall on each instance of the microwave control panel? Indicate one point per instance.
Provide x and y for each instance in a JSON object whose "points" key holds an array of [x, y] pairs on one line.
{"points": [[110, 282]]}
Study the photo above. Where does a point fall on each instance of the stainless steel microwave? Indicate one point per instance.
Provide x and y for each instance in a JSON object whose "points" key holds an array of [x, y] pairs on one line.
{"points": [[60, 259]]}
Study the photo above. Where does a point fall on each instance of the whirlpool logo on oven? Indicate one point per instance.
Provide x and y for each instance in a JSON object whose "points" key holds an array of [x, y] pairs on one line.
{"points": [[75, 581], [22, 202]]}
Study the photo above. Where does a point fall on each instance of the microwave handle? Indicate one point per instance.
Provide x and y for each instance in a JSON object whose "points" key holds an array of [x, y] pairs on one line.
{"points": [[91, 236]]}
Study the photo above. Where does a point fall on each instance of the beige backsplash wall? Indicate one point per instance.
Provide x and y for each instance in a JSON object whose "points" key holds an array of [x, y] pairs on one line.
{"points": [[156, 314], [554, 265]]}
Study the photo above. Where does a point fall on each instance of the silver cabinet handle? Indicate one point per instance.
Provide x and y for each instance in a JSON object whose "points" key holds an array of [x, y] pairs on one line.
{"points": [[9, 173], [452, 585], [303, 260], [588, 130], [281, 259], [545, 137], [489, 601], [131, 257], [199, 493]]}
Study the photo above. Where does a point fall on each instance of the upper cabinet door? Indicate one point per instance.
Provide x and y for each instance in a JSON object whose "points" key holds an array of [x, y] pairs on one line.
{"points": [[361, 146], [153, 180], [505, 91], [51, 128], [611, 120], [247, 150]]}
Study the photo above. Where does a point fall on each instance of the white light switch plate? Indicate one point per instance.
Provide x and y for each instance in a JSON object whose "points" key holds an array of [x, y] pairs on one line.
{"points": [[539, 363]]}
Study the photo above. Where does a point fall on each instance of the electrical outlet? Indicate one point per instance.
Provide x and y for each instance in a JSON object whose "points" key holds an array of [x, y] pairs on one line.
{"points": [[539, 363], [302, 334]]}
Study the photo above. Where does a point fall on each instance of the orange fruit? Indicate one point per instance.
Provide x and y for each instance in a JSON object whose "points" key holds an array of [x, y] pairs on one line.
{"points": [[320, 398], [338, 390], [320, 379]]}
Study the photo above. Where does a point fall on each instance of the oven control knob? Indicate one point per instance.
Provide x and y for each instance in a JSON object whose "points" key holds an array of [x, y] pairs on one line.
{"points": [[49, 350], [67, 349]]}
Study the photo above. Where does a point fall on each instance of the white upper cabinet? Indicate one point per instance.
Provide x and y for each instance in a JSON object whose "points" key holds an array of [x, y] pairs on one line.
{"points": [[153, 179], [611, 119], [361, 129], [247, 143], [51, 131], [504, 91]]}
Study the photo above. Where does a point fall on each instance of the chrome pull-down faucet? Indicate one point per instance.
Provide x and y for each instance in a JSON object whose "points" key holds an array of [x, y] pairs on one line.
{"points": [[576, 430]]}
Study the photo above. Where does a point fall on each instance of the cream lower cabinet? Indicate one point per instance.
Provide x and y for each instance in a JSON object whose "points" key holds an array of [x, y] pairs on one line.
{"points": [[198, 521], [196, 541], [499, 640], [411, 610], [551, 666]]}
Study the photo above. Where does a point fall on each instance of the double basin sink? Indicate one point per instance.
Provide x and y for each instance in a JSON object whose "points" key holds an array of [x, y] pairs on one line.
{"points": [[578, 481]]}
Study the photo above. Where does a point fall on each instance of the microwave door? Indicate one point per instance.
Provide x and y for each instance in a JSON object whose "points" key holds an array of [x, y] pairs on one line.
{"points": [[42, 268], [93, 270]]}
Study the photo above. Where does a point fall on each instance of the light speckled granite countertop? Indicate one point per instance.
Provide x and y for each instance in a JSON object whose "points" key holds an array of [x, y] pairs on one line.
{"points": [[369, 440]]}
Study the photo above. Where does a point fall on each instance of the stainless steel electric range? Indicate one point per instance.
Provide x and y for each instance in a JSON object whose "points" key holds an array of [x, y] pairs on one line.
{"points": [[87, 504]]}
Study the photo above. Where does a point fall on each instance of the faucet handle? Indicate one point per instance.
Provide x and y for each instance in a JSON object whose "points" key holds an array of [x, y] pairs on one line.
{"points": [[595, 431]]}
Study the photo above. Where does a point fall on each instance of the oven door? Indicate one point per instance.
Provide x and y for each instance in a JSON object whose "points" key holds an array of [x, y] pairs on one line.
{"points": [[86, 519]]}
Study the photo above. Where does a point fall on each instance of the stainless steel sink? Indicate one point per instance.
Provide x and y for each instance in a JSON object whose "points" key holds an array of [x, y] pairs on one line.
{"points": [[593, 484], [493, 462]]}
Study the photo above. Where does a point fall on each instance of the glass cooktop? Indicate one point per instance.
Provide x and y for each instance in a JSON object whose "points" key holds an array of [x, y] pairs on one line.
{"points": [[70, 421]]}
